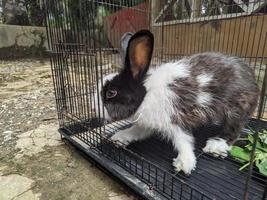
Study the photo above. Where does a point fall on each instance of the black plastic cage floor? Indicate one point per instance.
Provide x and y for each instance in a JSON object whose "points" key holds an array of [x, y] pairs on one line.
{"points": [[147, 167]]}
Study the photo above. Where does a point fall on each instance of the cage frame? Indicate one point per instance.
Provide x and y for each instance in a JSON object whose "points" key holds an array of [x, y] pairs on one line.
{"points": [[147, 190]]}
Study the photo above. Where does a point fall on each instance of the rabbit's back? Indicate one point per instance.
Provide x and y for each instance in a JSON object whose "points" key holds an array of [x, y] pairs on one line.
{"points": [[206, 88], [217, 88]]}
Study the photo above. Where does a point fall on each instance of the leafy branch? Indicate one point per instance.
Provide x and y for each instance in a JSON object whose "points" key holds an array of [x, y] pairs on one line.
{"points": [[242, 154]]}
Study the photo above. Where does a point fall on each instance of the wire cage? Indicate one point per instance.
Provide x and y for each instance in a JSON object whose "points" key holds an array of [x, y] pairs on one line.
{"points": [[84, 42]]}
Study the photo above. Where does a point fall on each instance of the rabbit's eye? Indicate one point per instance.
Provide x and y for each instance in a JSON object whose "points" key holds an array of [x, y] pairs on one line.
{"points": [[111, 94]]}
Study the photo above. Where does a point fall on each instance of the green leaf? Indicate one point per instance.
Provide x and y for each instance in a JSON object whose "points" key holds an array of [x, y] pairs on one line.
{"points": [[240, 153], [263, 137], [261, 148], [261, 156], [251, 138], [258, 145], [240, 160], [248, 147], [262, 166], [257, 162]]}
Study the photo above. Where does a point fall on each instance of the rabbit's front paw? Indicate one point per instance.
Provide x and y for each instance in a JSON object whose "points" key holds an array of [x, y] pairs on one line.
{"points": [[184, 163], [217, 147], [121, 138]]}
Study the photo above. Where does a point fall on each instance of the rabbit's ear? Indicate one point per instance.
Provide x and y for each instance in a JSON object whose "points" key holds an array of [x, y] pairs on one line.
{"points": [[139, 53], [124, 44]]}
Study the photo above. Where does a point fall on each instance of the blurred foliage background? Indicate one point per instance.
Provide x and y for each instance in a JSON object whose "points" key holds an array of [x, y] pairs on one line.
{"points": [[31, 12], [22, 12]]}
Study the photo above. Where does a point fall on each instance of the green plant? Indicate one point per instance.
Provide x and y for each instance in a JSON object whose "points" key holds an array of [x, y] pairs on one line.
{"points": [[243, 154]]}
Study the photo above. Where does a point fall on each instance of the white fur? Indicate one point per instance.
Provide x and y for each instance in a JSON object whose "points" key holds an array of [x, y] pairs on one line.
{"points": [[204, 79], [157, 107], [217, 147], [155, 112], [131, 134], [166, 73], [204, 98], [97, 98]]}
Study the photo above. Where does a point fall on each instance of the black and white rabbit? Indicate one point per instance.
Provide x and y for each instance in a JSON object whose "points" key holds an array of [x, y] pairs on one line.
{"points": [[176, 97]]}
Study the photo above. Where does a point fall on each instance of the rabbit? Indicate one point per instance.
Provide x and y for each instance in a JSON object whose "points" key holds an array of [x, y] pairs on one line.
{"points": [[176, 97]]}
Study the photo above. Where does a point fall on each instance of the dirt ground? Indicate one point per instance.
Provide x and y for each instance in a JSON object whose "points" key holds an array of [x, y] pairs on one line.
{"points": [[34, 162]]}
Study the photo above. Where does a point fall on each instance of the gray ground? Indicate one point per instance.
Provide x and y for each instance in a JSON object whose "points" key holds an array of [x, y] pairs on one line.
{"points": [[34, 162]]}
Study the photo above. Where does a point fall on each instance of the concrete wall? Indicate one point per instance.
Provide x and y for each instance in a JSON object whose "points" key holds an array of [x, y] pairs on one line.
{"points": [[22, 41]]}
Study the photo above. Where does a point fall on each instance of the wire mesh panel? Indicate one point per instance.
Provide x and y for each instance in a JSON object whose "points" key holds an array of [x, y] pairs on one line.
{"points": [[84, 41], [236, 28]]}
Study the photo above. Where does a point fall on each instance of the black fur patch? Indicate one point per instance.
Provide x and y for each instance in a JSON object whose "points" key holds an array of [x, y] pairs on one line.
{"points": [[130, 95], [233, 90]]}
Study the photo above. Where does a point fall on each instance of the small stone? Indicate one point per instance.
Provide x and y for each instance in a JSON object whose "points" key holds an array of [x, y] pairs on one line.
{"points": [[112, 194], [52, 108], [7, 136], [72, 164], [58, 155], [8, 132]]}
